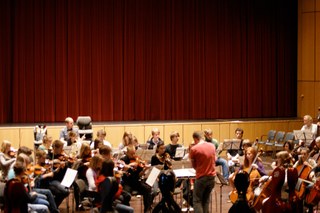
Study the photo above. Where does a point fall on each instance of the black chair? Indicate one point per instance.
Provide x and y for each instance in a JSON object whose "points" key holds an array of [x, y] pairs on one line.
{"points": [[85, 127]]}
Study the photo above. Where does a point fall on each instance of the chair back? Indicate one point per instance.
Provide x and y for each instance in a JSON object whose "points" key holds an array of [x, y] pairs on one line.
{"points": [[289, 137], [271, 135], [279, 136]]}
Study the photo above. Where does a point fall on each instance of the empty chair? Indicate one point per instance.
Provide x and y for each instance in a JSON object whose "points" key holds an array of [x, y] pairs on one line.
{"points": [[278, 139], [266, 138], [85, 127]]}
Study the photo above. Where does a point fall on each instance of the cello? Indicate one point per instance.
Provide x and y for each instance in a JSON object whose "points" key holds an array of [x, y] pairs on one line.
{"points": [[253, 175], [303, 174]]}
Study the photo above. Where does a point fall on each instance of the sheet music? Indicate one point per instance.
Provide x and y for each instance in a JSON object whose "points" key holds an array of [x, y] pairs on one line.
{"points": [[190, 172], [153, 176], [69, 177], [179, 152]]}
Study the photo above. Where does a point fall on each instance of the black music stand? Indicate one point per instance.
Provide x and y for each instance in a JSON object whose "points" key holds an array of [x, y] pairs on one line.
{"points": [[233, 144], [305, 136], [222, 183]]}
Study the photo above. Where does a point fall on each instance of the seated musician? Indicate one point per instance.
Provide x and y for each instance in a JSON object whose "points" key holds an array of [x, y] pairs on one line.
{"points": [[60, 164], [219, 161], [64, 132], [252, 164], [101, 135], [161, 159], [278, 191], [6, 158], [234, 154], [155, 138], [107, 187], [44, 196], [287, 146], [46, 144], [105, 152], [126, 141], [308, 125], [134, 169], [16, 195], [172, 147]]}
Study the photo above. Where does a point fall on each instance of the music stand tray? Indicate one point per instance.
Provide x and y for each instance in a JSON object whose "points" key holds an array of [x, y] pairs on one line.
{"points": [[231, 144], [305, 136]]}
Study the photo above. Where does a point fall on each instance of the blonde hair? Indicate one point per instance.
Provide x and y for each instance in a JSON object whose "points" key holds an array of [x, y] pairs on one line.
{"points": [[207, 131], [4, 145]]}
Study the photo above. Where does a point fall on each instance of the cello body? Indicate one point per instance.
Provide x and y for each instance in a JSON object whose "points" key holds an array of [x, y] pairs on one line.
{"points": [[274, 202], [313, 197]]}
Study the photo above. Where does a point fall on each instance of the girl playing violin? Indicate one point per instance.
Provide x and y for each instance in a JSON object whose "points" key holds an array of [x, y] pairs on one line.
{"points": [[5, 159], [161, 157]]}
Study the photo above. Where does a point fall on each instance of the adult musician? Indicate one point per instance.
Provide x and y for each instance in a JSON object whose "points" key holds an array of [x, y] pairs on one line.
{"points": [[219, 161], [64, 136], [308, 125], [5, 158], [203, 157], [172, 147], [132, 177]]}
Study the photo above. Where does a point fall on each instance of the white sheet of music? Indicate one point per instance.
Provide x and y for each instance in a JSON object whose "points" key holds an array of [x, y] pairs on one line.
{"points": [[69, 177], [179, 152], [189, 172], [153, 176]]}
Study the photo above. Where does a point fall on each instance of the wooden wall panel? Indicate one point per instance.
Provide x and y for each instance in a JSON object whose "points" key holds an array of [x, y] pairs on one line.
{"points": [[308, 46], [188, 130], [137, 131], [225, 132], [115, 134], [306, 103], [317, 47], [10, 134], [27, 137], [318, 5], [308, 5]]}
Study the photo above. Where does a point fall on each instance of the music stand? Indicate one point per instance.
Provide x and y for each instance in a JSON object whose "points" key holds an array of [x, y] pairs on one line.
{"points": [[305, 136], [233, 144], [223, 182]]}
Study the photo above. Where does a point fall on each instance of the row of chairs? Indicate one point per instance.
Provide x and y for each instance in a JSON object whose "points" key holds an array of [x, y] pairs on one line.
{"points": [[275, 140]]}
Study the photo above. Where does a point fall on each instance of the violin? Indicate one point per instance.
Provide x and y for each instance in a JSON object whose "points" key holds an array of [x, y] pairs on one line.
{"points": [[166, 160], [313, 197]]}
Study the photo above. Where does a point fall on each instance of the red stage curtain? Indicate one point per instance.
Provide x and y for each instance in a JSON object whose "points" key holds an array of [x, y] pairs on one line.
{"points": [[126, 60]]}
